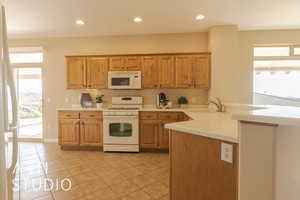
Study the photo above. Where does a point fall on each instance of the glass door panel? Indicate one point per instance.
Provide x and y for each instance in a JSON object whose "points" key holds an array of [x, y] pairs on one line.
{"points": [[29, 89], [120, 129]]}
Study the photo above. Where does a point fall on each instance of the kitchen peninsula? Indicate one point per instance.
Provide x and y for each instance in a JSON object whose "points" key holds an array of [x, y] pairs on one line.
{"points": [[236, 161]]}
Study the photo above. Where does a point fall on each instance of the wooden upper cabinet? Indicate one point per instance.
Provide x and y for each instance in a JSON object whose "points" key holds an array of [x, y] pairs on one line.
{"points": [[150, 72], [149, 134], [158, 71], [117, 63], [201, 71], [133, 63], [76, 72], [69, 130], [166, 71], [97, 68], [184, 71], [91, 132]]}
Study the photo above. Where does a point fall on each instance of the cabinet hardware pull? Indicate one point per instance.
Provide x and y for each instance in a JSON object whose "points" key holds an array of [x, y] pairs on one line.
{"points": [[92, 115], [68, 115]]}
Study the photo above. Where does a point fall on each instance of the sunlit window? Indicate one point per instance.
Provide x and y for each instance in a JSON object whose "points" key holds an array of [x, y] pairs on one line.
{"points": [[272, 51], [26, 57], [297, 51], [277, 71]]}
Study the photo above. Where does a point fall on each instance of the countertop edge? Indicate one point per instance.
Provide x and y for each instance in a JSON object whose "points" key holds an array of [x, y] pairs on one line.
{"points": [[173, 127]]}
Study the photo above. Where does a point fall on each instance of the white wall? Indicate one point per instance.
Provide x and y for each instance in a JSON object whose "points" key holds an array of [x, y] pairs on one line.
{"points": [[54, 78], [228, 75]]}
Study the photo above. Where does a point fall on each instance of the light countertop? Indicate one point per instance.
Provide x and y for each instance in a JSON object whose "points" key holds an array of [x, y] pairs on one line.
{"points": [[280, 115], [208, 124]]}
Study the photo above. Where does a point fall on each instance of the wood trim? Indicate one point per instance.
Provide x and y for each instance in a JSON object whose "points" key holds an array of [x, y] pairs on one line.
{"points": [[142, 54]]}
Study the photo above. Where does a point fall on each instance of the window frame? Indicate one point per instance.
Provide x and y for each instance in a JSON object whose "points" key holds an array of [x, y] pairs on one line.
{"points": [[291, 56]]}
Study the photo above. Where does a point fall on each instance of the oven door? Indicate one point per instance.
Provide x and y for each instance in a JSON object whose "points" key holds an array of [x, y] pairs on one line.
{"points": [[120, 130]]}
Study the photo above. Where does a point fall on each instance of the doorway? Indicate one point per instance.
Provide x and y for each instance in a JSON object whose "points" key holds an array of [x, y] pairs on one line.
{"points": [[30, 98]]}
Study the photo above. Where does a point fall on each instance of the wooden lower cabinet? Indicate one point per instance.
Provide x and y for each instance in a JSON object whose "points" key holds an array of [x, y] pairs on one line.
{"points": [[149, 134], [153, 135], [85, 129], [91, 132], [197, 171], [163, 139], [69, 130]]}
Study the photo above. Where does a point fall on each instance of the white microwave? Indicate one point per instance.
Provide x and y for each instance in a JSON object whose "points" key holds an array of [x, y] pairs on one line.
{"points": [[124, 80]]}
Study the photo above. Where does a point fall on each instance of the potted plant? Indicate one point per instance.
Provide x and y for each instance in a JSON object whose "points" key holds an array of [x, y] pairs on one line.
{"points": [[182, 101], [99, 101]]}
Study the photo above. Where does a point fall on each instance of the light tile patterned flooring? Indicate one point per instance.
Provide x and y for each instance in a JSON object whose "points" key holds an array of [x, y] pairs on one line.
{"points": [[94, 175]]}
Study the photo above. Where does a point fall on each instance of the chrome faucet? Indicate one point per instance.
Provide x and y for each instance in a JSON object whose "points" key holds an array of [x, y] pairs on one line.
{"points": [[218, 103]]}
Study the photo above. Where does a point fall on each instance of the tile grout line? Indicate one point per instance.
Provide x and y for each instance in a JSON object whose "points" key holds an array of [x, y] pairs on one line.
{"points": [[44, 171]]}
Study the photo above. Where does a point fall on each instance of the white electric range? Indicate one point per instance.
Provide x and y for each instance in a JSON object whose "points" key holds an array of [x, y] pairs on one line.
{"points": [[121, 124]]}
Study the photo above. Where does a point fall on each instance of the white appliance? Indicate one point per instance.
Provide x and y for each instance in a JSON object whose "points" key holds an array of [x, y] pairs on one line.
{"points": [[124, 80], [7, 90], [121, 124]]}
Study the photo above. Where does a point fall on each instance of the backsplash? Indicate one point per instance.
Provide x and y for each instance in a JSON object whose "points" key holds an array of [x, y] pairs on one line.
{"points": [[194, 96]]}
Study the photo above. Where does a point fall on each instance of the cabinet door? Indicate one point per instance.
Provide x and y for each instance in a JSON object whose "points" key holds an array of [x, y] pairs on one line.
{"points": [[184, 73], [69, 132], [163, 138], [166, 72], [201, 71], [149, 134], [91, 132], [117, 63], [97, 68], [76, 73], [149, 72], [133, 63]]}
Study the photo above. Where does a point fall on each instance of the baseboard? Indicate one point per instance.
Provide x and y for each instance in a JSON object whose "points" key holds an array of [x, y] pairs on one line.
{"points": [[50, 140]]}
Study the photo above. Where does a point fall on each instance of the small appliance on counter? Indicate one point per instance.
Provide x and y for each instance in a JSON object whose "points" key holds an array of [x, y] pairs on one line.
{"points": [[162, 100], [86, 100]]}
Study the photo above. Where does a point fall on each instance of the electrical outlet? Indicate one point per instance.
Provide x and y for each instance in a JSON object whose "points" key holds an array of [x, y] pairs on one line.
{"points": [[226, 152]]}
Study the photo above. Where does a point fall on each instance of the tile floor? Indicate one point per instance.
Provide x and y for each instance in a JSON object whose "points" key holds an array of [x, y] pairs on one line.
{"points": [[94, 175]]}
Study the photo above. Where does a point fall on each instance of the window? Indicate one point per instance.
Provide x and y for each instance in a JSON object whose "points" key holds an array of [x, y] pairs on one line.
{"points": [[26, 57], [271, 51], [297, 51], [277, 71]]}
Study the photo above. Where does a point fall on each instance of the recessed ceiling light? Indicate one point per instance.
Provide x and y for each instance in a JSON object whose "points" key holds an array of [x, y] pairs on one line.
{"points": [[200, 17], [137, 19], [79, 22]]}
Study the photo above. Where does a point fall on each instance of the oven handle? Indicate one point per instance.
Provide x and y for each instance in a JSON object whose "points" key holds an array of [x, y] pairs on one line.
{"points": [[118, 116]]}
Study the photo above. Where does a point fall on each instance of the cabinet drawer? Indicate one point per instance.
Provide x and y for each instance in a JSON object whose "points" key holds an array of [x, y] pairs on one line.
{"points": [[148, 115], [169, 116], [91, 115], [68, 115]]}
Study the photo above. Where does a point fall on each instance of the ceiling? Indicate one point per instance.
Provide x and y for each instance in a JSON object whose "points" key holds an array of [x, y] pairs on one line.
{"points": [[56, 18]]}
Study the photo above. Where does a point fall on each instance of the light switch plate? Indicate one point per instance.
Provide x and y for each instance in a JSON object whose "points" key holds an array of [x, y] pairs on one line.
{"points": [[226, 152]]}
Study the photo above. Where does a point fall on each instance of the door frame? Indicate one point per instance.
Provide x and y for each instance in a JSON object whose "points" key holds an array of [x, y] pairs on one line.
{"points": [[40, 66]]}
